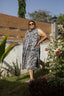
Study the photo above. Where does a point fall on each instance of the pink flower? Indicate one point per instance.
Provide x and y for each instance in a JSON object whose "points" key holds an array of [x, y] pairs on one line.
{"points": [[46, 49], [58, 52]]}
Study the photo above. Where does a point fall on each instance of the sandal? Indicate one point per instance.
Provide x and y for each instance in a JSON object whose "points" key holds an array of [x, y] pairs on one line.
{"points": [[27, 81]]}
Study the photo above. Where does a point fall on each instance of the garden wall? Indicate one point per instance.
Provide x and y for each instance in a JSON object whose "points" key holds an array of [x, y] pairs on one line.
{"points": [[16, 54]]}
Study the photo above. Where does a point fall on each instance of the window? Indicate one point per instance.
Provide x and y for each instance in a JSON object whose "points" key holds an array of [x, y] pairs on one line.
{"points": [[14, 29], [12, 36], [1, 35], [22, 36], [23, 30], [47, 33], [47, 38], [1, 27]]}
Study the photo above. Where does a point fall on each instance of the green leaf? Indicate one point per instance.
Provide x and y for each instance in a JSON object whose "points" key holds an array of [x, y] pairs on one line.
{"points": [[4, 52], [2, 45], [8, 49]]}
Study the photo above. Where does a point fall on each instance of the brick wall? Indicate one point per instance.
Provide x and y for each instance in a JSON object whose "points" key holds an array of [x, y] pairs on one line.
{"points": [[17, 27]]}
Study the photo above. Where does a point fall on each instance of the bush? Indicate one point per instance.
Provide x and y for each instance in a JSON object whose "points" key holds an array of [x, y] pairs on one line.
{"points": [[14, 70], [40, 87], [56, 54]]}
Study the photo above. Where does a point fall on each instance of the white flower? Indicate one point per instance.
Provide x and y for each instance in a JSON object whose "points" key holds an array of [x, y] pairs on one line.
{"points": [[60, 26], [56, 49], [59, 47], [49, 70], [59, 41], [51, 60], [50, 34]]}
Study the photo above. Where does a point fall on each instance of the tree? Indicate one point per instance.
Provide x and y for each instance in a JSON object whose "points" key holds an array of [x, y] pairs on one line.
{"points": [[42, 16], [60, 19], [21, 9]]}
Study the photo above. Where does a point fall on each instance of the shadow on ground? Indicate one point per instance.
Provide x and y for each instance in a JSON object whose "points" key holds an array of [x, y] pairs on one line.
{"points": [[16, 86], [8, 88]]}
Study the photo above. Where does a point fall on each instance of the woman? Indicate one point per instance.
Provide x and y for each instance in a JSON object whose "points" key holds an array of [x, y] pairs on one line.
{"points": [[31, 48]]}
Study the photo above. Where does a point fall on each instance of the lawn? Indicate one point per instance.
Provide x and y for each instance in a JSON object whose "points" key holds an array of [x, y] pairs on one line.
{"points": [[16, 86]]}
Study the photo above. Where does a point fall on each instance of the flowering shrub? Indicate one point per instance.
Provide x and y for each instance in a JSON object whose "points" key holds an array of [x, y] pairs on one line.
{"points": [[56, 54]]}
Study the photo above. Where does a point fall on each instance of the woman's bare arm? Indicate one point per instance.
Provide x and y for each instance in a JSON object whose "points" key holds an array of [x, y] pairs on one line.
{"points": [[42, 34]]}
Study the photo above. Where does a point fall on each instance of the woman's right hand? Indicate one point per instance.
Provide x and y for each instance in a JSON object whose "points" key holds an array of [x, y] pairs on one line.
{"points": [[38, 45]]}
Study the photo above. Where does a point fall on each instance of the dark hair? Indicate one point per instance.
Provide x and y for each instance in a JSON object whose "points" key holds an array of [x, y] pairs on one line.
{"points": [[33, 22]]}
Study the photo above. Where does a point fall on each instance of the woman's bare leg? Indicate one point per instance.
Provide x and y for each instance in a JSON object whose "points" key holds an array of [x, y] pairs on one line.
{"points": [[31, 73]]}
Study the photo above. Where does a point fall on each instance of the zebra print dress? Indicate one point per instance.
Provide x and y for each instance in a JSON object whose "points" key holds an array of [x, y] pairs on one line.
{"points": [[31, 52]]}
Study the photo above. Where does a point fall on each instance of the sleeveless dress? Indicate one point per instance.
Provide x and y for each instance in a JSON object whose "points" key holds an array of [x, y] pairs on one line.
{"points": [[31, 52]]}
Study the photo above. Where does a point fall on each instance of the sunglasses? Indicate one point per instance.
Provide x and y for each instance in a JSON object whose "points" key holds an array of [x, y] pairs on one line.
{"points": [[31, 24]]}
